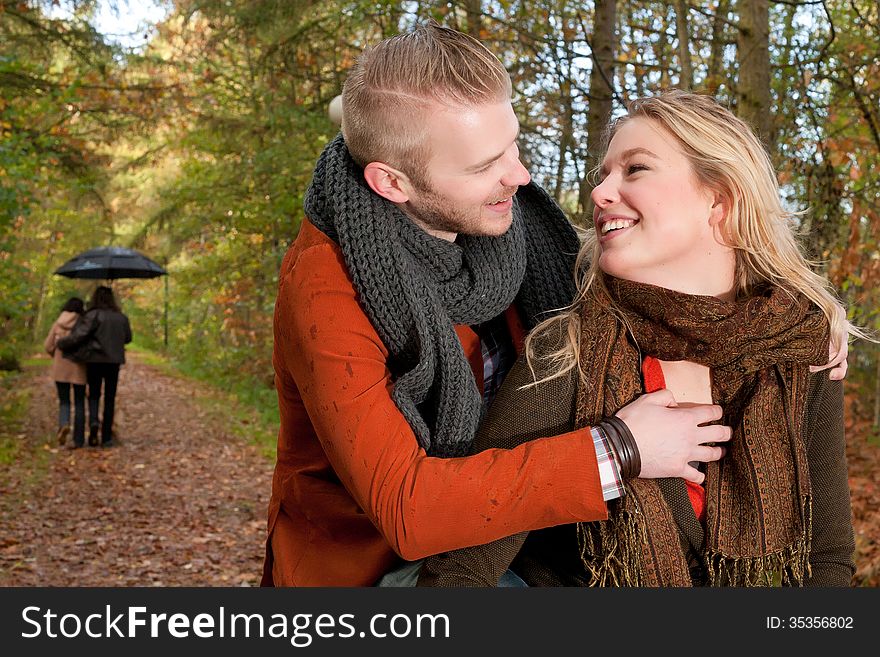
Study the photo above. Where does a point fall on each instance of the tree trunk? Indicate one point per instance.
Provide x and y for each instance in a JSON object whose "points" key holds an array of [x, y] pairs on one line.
{"points": [[753, 48], [474, 13], [827, 224], [686, 80], [566, 138], [601, 93], [714, 78]]}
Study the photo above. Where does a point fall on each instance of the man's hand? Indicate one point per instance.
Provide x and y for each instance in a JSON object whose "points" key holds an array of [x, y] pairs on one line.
{"points": [[837, 350], [837, 354], [670, 438]]}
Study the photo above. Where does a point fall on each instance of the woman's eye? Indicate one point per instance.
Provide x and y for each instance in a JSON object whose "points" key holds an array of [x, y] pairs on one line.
{"points": [[635, 168]]}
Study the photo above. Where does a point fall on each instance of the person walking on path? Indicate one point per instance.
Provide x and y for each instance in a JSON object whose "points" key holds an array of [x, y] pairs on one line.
{"points": [[67, 373], [99, 340]]}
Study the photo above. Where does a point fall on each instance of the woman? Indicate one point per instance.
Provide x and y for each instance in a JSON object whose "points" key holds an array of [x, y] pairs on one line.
{"points": [[692, 282], [66, 374], [99, 340]]}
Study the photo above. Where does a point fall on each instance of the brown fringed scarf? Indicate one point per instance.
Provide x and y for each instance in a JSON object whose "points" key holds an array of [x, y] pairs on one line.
{"points": [[758, 500]]}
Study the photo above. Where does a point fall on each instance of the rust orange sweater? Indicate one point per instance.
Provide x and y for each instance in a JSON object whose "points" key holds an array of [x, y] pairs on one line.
{"points": [[352, 490]]}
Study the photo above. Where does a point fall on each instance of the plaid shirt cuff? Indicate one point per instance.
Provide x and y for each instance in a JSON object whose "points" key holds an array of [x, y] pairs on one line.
{"points": [[609, 468]]}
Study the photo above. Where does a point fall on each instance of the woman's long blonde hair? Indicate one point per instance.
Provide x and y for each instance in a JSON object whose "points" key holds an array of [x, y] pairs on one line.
{"points": [[728, 159]]}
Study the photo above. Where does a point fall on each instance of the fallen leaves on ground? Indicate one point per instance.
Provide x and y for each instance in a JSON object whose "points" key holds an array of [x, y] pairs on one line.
{"points": [[863, 458], [180, 502]]}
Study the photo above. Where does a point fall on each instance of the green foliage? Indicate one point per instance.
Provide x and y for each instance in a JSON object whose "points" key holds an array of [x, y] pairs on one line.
{"points": [[13, 405], [225, 194], [54, 114], [250, 407], [199, 150]]}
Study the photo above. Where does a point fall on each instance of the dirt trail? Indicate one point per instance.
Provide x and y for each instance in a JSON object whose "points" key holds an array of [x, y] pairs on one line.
{"points": [[180, 502]]}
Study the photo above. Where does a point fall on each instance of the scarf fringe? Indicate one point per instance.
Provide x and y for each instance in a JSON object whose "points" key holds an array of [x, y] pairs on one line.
{"points": [[611, 552], [787, 567]]}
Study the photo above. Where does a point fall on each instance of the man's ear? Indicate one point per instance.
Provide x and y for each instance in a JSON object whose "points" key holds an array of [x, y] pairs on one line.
{"points": [[388, 182]]}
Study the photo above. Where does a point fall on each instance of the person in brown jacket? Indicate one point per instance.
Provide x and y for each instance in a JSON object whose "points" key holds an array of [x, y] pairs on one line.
{"points": [[99, 340], [693, 282], [68, 374]]}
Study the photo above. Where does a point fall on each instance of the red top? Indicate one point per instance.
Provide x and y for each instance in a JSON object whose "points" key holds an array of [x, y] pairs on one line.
{"points": [[654, 381], [352, 489]]}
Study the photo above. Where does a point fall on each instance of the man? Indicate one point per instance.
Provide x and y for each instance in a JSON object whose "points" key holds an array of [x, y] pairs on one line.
{"points": [[425, 255]]}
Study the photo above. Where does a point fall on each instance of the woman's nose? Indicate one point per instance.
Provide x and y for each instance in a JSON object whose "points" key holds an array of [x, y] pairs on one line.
{"points": [[605, 193]]}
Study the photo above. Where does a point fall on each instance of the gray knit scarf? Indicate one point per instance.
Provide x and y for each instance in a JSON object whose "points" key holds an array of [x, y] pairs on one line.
{"points": [[415, 287]]}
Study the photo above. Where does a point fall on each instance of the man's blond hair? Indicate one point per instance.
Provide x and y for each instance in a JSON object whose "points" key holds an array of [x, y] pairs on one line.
{"points": [[391, 90]]}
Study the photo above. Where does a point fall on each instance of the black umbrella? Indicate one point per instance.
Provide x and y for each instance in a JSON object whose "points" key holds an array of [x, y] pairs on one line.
{"points": [[109, 262]]}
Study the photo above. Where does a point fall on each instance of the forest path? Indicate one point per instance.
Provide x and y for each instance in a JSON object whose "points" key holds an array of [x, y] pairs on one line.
{"points": [[181, 501]]}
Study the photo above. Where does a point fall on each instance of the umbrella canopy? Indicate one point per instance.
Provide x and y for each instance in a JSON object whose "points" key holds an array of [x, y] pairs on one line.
{"points": [[109, 262]]}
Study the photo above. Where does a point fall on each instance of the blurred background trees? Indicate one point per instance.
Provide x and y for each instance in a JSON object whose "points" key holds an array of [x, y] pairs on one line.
{"points": [[195, 141]]}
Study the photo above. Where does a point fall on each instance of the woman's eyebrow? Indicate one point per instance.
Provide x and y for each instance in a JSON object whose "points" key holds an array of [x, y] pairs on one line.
{"points": [[638, 150]]}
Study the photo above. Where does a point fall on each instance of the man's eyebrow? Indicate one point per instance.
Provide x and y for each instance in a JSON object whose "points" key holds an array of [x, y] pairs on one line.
{"points": [[638, 150], [489, 160], [484, 163]]}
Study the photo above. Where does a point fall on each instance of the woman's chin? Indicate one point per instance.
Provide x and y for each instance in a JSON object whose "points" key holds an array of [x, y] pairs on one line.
{"points": [[612, 266]]}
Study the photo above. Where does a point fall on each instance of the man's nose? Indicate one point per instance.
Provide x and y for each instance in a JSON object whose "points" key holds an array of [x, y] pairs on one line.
{"points": [[516, 175]]}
